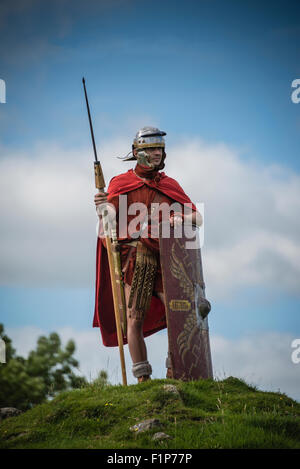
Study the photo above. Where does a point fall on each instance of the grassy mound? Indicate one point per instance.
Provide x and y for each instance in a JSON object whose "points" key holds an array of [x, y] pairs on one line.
{"points": [[203, 414]]}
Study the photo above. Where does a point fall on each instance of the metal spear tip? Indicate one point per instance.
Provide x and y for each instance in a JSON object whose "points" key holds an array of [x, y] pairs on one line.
{"points": [[83, 80]]}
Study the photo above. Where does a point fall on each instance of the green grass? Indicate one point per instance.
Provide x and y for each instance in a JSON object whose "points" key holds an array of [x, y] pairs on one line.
{"points": [[205, 414]]}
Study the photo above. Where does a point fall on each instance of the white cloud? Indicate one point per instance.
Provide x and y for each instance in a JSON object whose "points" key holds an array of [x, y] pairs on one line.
{"points": [[48, 229], [263, 360], [251, 227], [48, 217]]}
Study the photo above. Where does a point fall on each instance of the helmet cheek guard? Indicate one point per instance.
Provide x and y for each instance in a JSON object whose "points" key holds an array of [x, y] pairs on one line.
{"points": [[162, 163]]}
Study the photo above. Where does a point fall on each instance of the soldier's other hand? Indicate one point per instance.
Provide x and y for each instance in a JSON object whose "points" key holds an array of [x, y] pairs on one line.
{"points": [[175, 219], [104, 208]]}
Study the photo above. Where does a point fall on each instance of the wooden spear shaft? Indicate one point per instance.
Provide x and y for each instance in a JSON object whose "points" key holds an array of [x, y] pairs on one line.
{"points": [[100, 185], [116, 306]]}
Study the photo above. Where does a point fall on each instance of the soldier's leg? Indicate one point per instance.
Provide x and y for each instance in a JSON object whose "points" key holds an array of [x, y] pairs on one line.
{"points": [[161, 296], [137, 348]]}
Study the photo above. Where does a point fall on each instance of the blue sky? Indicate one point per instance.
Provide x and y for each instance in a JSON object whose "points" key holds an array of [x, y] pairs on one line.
{"points": [[219, 69], [50, 308], [217, 72]]}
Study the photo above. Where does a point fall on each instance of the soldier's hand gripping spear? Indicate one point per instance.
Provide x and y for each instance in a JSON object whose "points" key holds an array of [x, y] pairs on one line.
{"points": [[112, 252]]}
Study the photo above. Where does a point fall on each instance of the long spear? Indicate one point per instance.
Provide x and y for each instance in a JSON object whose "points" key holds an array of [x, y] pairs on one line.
{"points": [[112, 252]]}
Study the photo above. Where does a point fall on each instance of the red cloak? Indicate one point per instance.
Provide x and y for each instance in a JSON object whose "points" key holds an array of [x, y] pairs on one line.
{"points": [[104, 316]]}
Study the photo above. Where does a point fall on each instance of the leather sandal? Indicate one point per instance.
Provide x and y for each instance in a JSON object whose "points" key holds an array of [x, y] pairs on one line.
{"points": [[141, 379]]}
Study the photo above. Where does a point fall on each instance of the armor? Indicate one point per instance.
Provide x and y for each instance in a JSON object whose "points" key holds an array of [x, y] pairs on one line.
{"points": [[149, 137], [143, 280]]}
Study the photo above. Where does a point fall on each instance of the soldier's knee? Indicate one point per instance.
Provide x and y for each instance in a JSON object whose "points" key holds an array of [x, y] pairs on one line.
{"points": [[134, 323]]}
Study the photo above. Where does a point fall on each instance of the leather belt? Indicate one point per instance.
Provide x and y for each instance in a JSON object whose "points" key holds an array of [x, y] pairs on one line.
{"points": [[130, 243]]}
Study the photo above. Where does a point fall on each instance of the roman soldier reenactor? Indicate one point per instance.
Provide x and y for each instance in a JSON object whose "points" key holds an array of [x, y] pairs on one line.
{"points": [[140, 249]]}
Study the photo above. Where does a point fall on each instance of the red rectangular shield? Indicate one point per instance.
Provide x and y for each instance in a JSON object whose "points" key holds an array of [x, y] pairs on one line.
{"points": [[188, 332]]}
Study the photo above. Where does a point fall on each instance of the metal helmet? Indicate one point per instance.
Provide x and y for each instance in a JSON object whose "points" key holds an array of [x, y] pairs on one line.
{"points": [[149, 137]]}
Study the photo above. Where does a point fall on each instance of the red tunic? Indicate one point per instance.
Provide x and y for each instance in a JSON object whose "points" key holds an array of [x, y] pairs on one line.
{"points": [[164, 189]]}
